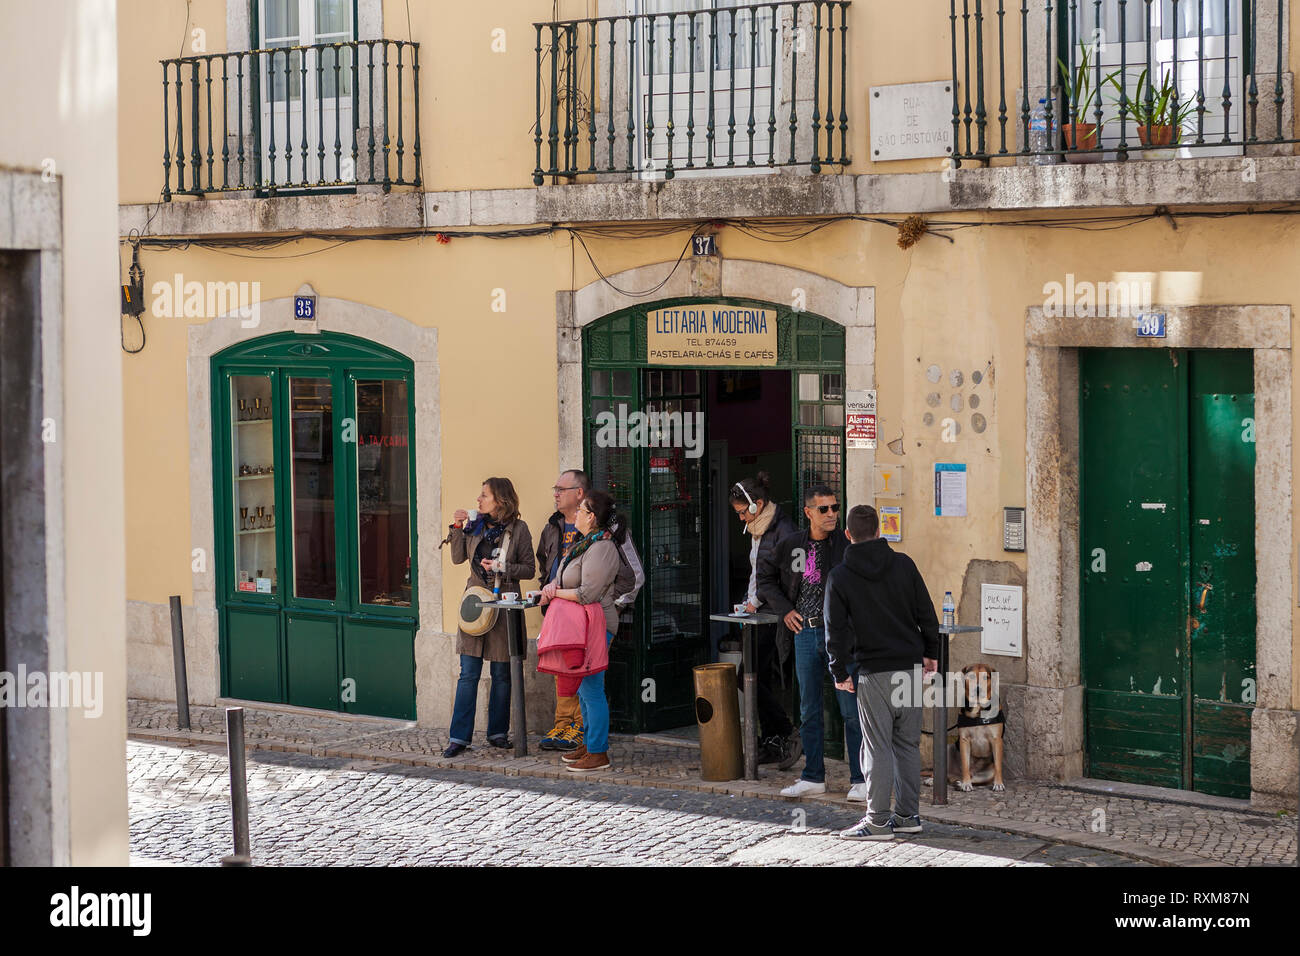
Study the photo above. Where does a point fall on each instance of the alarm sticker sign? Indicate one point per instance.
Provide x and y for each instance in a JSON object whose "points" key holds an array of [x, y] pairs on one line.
{"points": [[860, 419]]}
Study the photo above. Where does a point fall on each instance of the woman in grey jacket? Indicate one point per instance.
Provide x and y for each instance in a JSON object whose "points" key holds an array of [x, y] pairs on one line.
{"points": [[587, 575]]}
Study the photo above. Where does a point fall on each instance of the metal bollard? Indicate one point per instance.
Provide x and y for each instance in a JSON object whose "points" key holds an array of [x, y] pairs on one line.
{"points": [[516, 635], [238, 780], [940, 795], [178, 661]]}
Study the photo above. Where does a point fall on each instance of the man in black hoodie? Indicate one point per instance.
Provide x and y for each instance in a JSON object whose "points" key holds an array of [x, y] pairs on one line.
{"points": [[880, 624]]}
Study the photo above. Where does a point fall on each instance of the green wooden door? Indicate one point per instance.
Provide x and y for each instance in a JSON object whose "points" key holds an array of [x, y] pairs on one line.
{"points": [[1167, 505], [818, 424], [1222, 496], [617, 469], [315, 518], [674, 554]]}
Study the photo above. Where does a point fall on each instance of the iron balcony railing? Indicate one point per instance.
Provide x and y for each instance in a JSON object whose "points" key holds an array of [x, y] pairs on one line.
{"points": [[324, 115], [730, 86], [1117, 77]]}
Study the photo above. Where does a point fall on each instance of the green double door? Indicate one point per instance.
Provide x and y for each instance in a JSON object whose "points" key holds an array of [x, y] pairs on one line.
{"points": [[315, 523], [1167, 602]]}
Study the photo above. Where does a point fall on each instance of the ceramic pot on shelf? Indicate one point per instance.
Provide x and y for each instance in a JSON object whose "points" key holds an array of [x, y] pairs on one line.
{"points": [[1160, 141], [1080, 136]]}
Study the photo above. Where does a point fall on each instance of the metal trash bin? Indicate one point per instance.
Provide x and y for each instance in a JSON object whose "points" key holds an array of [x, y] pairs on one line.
{"points": [[718, 715]]}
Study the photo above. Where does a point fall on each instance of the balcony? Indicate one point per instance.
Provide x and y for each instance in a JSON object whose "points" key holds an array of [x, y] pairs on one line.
{"points": [[1109, 80], [292, 119], [734, 88]]}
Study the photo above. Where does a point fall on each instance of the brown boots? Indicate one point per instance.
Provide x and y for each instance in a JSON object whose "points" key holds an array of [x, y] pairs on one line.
{"points": [[560, 737]]}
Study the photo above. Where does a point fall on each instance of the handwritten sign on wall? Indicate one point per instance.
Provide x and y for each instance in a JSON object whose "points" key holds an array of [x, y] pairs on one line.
{"points": [[1002, 615]]}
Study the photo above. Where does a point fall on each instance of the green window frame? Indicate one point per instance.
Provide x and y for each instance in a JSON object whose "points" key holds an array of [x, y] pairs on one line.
{"points": [[343, 361]]}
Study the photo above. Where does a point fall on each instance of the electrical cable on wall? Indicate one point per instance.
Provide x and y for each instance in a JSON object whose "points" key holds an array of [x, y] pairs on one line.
{"points": [[133, 296], [772, 230]]}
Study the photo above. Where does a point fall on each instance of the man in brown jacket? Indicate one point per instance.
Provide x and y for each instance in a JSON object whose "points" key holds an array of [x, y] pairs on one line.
{"points": [[557, 536]]}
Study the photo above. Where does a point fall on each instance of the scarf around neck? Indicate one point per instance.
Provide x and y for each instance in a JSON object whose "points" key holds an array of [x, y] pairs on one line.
{"points": [[491, 532], [581, 545], [762, 521]]}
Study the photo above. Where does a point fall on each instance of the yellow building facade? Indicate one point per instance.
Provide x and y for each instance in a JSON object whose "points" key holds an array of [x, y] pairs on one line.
{"points": [[499, 307]]}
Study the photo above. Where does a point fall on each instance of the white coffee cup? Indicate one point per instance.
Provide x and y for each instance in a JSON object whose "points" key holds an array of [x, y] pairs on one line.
{"points": [[738, 609], [472, 515], [510, 597], [533, 596]]}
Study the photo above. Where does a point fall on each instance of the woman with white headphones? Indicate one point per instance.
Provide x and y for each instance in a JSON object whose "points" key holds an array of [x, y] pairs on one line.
{"points": [[766, 523]]}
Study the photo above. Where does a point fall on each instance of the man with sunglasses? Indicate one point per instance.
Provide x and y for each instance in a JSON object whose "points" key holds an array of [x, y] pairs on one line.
{"points": [[792, 583]]}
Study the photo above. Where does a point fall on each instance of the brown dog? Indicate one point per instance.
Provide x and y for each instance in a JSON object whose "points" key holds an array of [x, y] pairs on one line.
{"points": [[979, 726]]}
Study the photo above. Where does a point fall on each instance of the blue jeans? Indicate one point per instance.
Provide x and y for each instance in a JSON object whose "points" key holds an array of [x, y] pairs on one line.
{"points": [[462, 715], [812, 665], [595, 709]]}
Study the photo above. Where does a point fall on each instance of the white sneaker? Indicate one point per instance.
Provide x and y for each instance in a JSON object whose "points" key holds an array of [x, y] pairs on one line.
{"points": [[858, 793], [802, 788]]}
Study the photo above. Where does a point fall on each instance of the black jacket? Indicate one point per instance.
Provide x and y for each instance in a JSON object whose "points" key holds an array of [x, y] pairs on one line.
{"points": [[778, 582], [879, 616], [780, 527]]}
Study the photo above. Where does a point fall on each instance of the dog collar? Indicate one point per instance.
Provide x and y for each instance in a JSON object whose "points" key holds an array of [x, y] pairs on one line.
{"points": [[965, 721]]}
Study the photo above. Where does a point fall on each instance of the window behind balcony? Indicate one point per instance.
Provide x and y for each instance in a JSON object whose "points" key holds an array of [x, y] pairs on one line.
{"points": [[306, 100], [730, 54], [1199, 34]]}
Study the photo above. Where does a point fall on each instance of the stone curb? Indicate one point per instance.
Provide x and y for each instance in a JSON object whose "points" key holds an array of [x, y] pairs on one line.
{"points": [[534, 768]]}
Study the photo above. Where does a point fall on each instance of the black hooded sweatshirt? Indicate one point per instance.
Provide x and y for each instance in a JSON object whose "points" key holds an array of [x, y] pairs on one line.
{"points": [[879, 616]]}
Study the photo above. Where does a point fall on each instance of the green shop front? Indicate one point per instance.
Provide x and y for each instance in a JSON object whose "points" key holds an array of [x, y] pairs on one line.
{"points": [[315, 516], [768, 400]]}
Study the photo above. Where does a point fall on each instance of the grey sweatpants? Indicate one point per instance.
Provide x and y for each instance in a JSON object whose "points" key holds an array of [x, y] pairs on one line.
{"points": [[891, 748]]}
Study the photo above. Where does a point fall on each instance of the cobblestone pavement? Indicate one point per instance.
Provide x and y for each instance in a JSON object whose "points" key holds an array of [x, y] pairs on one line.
{"points": [[307, 810], [1154, 831]]}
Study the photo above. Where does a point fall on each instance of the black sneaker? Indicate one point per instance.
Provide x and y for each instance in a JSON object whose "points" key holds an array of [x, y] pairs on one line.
{"points": [[791, 751], [501, 743], [910, 824], [771, 750]]}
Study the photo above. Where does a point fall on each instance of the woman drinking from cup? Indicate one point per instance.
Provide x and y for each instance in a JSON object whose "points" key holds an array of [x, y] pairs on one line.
{"points": [[586, 576], [499, 547]]}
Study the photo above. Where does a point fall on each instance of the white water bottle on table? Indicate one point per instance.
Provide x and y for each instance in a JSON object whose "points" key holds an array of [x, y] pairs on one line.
{"points": [[949, 610]]}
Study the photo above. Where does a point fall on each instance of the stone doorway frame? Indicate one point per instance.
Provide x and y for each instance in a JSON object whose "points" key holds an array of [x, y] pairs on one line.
{"points": [[418, 343], [1054, 698], [853, 307]]}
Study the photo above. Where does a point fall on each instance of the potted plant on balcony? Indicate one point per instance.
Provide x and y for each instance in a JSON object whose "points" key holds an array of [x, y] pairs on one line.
{"points": [[1080, 95], [1159, 124]]}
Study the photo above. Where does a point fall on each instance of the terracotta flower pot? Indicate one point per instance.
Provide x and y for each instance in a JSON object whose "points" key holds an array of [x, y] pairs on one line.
{"points": [[1155, 135], [1080, 136]]}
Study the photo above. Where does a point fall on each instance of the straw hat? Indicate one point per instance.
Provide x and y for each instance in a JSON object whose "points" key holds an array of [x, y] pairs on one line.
{"points": [[475, 619]]}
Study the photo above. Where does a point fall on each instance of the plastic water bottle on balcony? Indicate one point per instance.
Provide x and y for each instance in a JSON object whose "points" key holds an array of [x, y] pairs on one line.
{"points": [[1040, 137], [949, 610]]}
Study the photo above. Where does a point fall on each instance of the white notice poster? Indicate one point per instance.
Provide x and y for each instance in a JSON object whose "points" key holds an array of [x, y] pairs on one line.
{"points": [[949, 490], [1001, 617]]}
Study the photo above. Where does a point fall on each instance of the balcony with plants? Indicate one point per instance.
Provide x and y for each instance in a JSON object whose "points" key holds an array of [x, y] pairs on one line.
{"points": [[1089, 81]]}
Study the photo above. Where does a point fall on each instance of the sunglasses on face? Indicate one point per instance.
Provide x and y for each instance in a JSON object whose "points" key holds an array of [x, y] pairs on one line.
{"points": [[833, 509], [557, 489]]}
